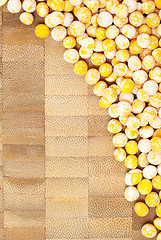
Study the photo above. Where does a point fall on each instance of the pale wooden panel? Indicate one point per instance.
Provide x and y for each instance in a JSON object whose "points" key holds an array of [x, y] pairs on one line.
{"points": [[1, 201], [28, 85], [68, 238], [67, 187], [20, 36], [1, 19], [100, 146], [1, 150], [1, 160], [66, 126], [24, 219], [111, 207], [32, 53], [24, 169], [110, 227], [1, 219], [66, 144], [22, 153], [59, 85], [11, 69], [67, 208], [66, 228], [97, 125], [22, 194], [1, 177], [23, 186], [23, 102], [66, 106], [1, 233], [92, 239], [66, 167], [67, 147], [29, 136], [1, 147], [23, 130], [24, 233], [56, 61], [23, 120], [106, 177], [24, 202], [1, 132]]}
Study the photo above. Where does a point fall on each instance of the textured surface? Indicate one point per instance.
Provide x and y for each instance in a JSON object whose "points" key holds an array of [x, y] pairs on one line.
{"points": [[60, 177], [23, 140]]}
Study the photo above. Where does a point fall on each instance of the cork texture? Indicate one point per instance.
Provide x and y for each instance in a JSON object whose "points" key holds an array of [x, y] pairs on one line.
{"points": [[58, 176]]}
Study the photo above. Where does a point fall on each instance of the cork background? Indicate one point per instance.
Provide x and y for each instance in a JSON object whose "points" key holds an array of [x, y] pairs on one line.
{"points": [[58, 176]]}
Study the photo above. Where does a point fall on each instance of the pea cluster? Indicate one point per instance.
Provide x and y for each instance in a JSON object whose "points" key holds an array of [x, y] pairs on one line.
{"points": [[116, 45]]}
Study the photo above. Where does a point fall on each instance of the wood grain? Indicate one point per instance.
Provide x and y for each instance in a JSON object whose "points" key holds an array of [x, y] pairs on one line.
{"points": [[23, 131], [1, 131], [84, 184], [58, 176]]}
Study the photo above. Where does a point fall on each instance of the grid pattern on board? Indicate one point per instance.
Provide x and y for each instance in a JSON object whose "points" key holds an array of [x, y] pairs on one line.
{"points": [[60, 179]]}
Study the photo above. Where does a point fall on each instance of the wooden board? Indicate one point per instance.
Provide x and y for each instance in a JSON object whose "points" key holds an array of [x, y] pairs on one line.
{"points": [[59, 179]]}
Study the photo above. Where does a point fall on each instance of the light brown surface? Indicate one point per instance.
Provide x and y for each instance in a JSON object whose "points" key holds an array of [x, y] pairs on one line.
{"points": [[60, 179]]}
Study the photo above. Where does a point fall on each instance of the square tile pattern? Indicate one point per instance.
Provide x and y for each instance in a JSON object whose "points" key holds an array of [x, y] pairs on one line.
{"points": [[58, 176]]}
